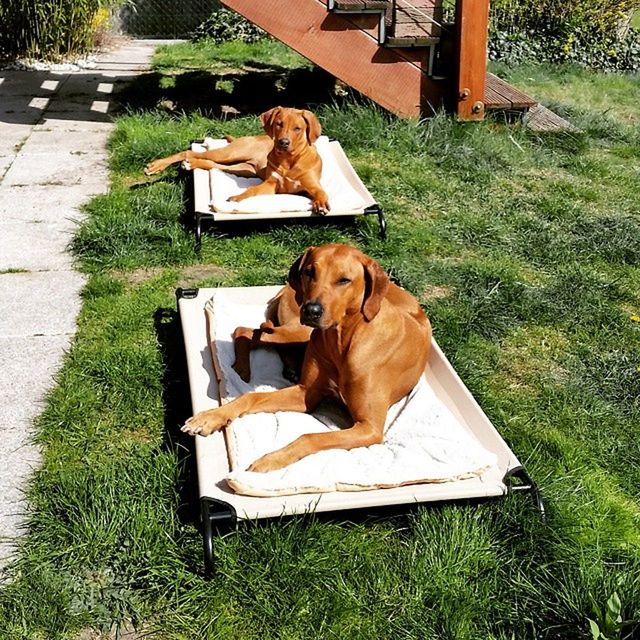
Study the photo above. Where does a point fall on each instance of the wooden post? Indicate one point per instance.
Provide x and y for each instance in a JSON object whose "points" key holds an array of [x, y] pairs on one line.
{"points": [[472, 25]]}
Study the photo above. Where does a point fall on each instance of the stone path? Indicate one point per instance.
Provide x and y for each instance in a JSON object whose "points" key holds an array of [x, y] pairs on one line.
{"points": [[53, 131]]}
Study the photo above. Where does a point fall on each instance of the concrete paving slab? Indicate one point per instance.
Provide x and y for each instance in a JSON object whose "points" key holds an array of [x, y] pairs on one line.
{"points": [[24, 388], [34, 246], [64, 121], [67, 169], [93, 109], [58, 207], [22, 110], [29, 83], [28, 366], [5, 163], [39, 303], [77, 114], [13, 136], [55, 142]]}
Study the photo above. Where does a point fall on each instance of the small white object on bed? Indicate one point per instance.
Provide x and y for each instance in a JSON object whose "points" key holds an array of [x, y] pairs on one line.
{"points": [[423, 441]]}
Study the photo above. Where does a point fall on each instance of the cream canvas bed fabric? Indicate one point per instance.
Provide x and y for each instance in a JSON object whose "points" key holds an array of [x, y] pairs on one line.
{"points": [[347, 194], [213, 458], [423, 440]]}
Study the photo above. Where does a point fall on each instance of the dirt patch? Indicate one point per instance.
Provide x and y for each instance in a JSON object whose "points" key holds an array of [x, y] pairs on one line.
{"points": [[126, 633], [188, 276], [433, 292], [137, 276], [198, 272]]}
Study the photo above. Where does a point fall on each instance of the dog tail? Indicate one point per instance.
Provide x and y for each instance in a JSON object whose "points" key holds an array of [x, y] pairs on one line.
{"points": [[229, 138]]}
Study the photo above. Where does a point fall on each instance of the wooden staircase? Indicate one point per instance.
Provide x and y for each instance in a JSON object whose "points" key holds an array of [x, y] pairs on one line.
{"points": [[399, 53]]}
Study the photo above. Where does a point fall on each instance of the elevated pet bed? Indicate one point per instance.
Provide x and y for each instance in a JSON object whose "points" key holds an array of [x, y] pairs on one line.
{"points": [[439, 445], [347, 194]]}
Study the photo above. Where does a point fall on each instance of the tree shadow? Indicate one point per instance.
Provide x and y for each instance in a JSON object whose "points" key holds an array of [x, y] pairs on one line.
{"points": [[229, 94]]}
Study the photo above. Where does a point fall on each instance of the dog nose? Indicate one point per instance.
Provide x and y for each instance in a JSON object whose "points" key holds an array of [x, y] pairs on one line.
{"points": [[312, 311], [284, 142]]}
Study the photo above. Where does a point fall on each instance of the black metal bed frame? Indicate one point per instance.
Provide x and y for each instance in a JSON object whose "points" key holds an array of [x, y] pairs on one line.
{"points": [[374, 209]]}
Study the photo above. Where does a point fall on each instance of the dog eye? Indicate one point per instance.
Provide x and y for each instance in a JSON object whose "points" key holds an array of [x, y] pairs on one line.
{"points": [[297, 129], [279, 125], [308, 272], [344, 280]]}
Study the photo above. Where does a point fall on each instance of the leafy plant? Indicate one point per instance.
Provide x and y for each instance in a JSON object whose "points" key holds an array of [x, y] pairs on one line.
{"points": [[608, 624], [51, 28], [224, 25], [591, 33]]}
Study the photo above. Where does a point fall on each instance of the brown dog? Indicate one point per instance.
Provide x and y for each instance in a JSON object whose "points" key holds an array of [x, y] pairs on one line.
{"points": [[369, 346], [285, 159]]}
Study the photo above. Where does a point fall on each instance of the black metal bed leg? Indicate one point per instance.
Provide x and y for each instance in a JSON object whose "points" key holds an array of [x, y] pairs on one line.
{"points": [[217, 517], [198, 232], [207, 539], [382, 222], [526, 484]]}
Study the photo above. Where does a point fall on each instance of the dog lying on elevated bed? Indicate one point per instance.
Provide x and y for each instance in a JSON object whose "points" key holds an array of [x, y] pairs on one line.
{"points": [[285, 159], [368, 342]]}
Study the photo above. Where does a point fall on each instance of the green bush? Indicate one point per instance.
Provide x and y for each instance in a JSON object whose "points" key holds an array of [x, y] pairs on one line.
{"points": [[51, 28], [224, 25], [592, 33]]}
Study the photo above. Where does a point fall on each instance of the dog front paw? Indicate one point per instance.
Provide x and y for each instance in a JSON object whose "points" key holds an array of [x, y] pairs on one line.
{"points": [[154, 167], [320, 206], [269, 462], [204, 423]]}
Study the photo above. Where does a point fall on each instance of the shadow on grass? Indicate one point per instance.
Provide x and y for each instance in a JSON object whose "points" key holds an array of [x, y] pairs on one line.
{"points": [[177, 408], [228, 94], [317, 228]]}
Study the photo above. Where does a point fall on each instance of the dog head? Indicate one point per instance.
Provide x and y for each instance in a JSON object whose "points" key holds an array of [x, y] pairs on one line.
{"points": [[333, 281], [291, 129]]}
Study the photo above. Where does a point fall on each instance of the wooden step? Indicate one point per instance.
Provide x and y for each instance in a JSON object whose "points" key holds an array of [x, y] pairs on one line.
{"points": [[364, 7], [414, 23], [499, 94], [357, 6]]}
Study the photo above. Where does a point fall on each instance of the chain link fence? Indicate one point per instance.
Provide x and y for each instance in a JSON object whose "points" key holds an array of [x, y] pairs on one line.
{"points": [[163, 18]]}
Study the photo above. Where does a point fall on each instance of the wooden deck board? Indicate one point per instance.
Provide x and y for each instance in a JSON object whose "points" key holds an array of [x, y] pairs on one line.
{"points": [[539, 118], [499, 94]]}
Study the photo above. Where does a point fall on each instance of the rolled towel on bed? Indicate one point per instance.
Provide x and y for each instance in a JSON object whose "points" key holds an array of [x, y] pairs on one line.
{"points": [[424, 442]]}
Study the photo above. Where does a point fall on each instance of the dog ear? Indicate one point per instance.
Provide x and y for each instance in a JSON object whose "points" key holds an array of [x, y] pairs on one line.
{"points": [[295, 281], [268, 117], [313, 126], [375, 288]]}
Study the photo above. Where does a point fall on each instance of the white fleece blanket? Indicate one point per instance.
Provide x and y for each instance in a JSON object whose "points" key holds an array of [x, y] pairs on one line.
{"points": [[423, 442], [343, 197]]}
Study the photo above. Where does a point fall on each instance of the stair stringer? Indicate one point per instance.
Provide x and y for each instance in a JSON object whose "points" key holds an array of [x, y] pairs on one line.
{"points": [[347, 47]]}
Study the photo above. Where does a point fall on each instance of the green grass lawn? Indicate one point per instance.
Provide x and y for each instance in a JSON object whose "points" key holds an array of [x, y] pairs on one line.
{"points": [[525, 251]]}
